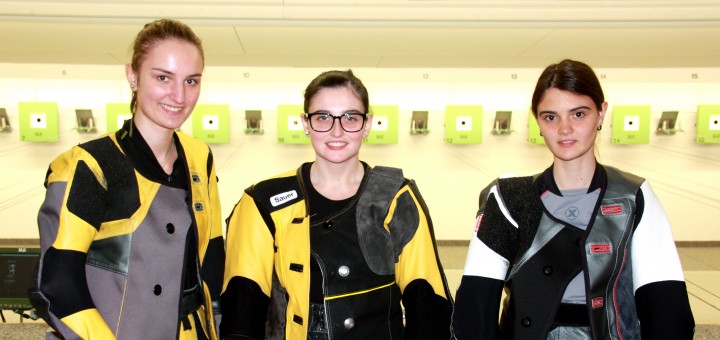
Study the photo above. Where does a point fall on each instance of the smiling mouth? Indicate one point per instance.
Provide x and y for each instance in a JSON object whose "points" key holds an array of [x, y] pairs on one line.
{"points": [[336, 144], [171, 108]]}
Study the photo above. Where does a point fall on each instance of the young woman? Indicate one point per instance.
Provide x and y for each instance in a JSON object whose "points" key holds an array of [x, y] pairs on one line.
{"points": [[130, 228], [584, 251], [330, 250]]}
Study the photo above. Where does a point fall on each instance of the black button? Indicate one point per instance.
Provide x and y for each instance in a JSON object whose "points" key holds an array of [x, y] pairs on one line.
{"points": [[187, 200], [526, 322], [170, 228], [547, 270], [328, 224], [157, 290]]}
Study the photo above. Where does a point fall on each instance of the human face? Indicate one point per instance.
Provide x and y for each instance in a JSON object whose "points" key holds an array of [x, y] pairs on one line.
{"points": [[167, 84], [569, 122], [336, 145]]}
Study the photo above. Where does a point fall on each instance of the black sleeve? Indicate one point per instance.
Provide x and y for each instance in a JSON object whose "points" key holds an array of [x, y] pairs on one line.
{"points": [[427, 314], [63, 282], [664, 311], [477, 308], [244, 310], [214, 267]]}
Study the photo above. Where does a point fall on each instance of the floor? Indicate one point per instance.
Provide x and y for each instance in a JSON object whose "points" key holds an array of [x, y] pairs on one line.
{"points": [[702, 276]]}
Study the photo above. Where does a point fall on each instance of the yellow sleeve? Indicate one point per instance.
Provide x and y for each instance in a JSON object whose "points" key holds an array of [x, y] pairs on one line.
{"points": [[88, 324], [419, 259], [66, 238], [249, 246]]}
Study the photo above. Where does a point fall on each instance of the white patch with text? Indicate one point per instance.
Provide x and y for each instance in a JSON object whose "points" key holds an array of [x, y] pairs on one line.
{"points": [[283, 197]]}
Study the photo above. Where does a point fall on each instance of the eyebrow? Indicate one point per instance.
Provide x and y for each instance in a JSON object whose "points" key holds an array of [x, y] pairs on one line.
{"points": [[168, 72], [341, 113], [582, 107]]}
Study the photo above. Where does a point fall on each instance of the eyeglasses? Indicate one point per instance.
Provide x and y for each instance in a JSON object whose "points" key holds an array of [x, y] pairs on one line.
{"points": [[351, 121]]}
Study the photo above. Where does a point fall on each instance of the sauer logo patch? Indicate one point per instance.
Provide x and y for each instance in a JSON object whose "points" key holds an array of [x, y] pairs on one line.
{"points": [[283, 198], [612, 209]]}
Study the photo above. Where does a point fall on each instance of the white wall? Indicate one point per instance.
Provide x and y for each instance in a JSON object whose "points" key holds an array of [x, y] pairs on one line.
{"points": [[684, 175]]}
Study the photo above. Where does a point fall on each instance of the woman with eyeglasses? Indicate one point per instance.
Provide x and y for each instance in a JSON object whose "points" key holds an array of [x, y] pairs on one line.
{"points": [[332, 249]]}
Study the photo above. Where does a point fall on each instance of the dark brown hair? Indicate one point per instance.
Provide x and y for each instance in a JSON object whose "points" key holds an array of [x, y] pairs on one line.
{"points": [[154, 32], [337, 79], [572, 76]]}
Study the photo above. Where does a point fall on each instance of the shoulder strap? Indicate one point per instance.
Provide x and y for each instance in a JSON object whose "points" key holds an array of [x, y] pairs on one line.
{"points": [[522, 202], [378, 193]]}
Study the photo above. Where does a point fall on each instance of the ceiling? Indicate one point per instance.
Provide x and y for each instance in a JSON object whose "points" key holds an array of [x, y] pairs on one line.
{"points": [[376, 33]]}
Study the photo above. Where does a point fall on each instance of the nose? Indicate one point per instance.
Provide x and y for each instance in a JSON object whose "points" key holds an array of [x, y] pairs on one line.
{"points": [[336, 130], [178, 93], [565, 128]]}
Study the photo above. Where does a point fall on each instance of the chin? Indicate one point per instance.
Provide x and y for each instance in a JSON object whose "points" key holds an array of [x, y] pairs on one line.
{"points": [[570, 157], [335, 159]]}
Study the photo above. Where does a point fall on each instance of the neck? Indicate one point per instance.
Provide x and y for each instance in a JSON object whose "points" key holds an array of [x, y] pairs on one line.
{"points": [[337, 181], [161, 142], [573, 175]]}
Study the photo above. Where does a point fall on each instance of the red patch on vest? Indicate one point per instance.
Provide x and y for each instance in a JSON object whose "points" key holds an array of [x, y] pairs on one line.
{"points": [[612, 210], [602, 248], [477, 222], [597, 303]]}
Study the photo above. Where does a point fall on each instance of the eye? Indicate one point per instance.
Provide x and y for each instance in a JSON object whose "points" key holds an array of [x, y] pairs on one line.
{"points": [[548, 118], [162, 77], [192, 82], [351, 117], [322, 117], [579, 114]]}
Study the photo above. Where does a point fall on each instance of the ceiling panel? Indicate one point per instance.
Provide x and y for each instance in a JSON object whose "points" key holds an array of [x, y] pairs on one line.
{"points": [[388, 41], [398, 33], [634, 47], [38, 42]]}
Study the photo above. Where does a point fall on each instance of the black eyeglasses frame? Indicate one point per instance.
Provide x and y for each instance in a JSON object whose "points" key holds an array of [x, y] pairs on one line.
{"points": [[309, 115]]}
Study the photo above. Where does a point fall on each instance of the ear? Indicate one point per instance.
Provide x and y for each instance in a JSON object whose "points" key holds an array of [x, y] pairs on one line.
{"points": [[537, 121], [368, 124], [305, 123], [601, 113], [131, 76]]}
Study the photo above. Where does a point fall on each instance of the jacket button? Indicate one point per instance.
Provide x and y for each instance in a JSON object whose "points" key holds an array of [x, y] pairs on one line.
{"points": [[157, 290], [526, 322], [349, 323], [328, 224], [170, 228], [344, 271], [547, 270]]}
